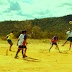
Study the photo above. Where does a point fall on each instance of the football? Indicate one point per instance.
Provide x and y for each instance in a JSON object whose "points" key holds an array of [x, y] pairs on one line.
{"points": [[70, 22]]}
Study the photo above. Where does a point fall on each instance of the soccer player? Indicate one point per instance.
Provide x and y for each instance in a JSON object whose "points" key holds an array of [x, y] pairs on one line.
{"points": [[20, 44], [66, 40], [69, 32], [9, 39], [54, 42], [25, 43]]}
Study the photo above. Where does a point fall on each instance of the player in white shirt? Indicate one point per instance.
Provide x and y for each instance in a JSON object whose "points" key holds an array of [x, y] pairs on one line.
{"points": [[20, 44], [69, 38]]}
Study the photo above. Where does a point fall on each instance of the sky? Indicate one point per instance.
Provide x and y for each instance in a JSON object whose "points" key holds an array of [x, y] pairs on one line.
{"points": [[30, 9]]}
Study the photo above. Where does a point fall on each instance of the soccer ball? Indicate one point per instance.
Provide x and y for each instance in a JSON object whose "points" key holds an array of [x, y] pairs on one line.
{"points": [[70, 22]]}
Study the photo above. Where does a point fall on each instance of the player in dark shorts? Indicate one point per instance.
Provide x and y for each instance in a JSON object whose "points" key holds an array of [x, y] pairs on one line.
{"points": [[69, 38], [20, 44]]}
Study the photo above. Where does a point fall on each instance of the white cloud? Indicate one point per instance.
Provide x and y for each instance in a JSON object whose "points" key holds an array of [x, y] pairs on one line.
{"points": [[30, 9]]}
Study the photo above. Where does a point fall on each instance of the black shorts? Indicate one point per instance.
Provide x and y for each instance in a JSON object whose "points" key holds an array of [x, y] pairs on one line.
{"points": [[69, 39], [22, 47]]}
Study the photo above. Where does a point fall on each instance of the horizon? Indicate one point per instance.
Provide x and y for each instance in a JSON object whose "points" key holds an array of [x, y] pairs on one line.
{"points": [[35, 18]]}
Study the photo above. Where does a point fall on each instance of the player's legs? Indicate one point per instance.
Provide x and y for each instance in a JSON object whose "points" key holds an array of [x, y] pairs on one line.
{"points": [[70, 45], [22, 53], [10, 46], [57, 47], [17, 52], [25, 51], [51, 46], [64, 43], [10, 42], [70, 39]]}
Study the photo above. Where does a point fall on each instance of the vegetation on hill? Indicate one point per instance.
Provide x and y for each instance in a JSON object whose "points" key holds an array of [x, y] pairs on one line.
{"points": [[38, 28]]}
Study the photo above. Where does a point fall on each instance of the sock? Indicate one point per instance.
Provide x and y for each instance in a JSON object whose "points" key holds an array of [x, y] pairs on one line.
{"points": [[16, 53], [22, 52]]}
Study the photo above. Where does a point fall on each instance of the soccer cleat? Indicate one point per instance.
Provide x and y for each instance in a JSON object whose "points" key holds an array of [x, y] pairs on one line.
{"points": [[9, 49], [59, 51], [16, 57], [69, 48], [56, 48], [24, 56], [49, 50], [62, 45]]}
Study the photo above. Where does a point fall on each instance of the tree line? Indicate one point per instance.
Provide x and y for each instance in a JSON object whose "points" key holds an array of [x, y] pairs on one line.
{"points": [[38, 28]]}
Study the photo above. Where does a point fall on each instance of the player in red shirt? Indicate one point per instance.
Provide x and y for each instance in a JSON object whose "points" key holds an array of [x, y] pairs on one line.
{"points": [[54, 42], [25, 43]]}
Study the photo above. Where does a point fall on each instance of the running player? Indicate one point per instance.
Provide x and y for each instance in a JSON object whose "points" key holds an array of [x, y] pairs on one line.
{"points": [[25, 43], [20, 44], [54, 42], [69, 32], [9, 39]]}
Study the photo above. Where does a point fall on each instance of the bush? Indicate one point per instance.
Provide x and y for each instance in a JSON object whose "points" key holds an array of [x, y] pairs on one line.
{"points": [[36, 32]]}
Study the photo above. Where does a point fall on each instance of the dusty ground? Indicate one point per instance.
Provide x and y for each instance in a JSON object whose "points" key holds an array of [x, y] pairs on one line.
{"points": [[38, 60]]}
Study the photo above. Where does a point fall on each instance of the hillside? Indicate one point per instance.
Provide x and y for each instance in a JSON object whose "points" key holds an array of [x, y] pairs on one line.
{"points": [[53, 24], [50, 25]]}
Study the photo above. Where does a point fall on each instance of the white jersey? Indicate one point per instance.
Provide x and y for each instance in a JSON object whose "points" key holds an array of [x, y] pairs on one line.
{"points": [[21, 39], [69, 33]]}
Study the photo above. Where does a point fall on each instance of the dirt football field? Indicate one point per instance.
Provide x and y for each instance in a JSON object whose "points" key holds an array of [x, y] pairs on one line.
{"points": [[39, 58]]}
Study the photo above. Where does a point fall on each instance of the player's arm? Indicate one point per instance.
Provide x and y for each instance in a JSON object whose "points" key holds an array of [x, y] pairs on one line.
{"points": [[56, 39], [18, 41], [13, 37], [25, 37], [6, 36], [67, 32], [50, 41], [25, 41]]}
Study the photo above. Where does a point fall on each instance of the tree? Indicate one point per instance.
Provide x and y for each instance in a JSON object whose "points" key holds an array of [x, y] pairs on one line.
{"points": [[36, 32]]}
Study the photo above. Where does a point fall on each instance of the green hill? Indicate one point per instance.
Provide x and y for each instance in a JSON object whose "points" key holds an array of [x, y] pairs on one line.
{"points": [[38, 27]]}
